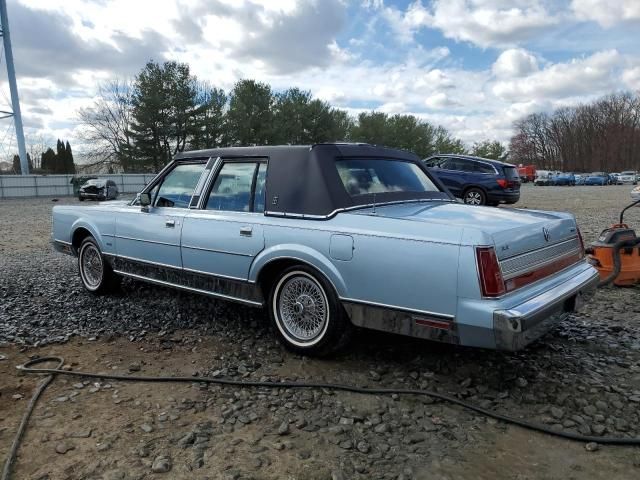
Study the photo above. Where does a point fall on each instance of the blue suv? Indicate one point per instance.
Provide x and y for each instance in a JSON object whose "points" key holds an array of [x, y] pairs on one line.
{"points": [[477, 181]]}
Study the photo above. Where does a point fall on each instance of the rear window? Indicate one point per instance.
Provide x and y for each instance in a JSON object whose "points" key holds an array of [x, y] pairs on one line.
{"points": [[511, 173], [364, 176]]}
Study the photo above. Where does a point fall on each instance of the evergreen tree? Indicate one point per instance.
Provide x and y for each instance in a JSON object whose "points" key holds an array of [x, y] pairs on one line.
{"points": [[209, 127], [250, 115], [70, 167], [163, 111], [489, 149], [17, 167], [48, 161]]}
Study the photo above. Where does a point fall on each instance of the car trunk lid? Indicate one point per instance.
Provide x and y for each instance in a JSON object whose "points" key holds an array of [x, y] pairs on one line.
{"points": [[512, 231]]}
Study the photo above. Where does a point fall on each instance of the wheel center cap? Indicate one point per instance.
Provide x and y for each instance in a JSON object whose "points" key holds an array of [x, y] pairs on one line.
{"points": [[298, 308]]}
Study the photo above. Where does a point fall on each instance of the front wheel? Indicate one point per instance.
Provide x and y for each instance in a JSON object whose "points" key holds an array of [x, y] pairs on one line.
{"points": [[474, 196], [307, 314], [96, 274]]}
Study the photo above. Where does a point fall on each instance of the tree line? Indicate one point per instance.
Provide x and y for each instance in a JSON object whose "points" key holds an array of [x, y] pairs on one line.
{"points": [[49, 161], [603, 135], [139, 125]]}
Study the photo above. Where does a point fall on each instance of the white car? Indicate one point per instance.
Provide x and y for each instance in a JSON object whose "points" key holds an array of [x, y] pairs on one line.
{"points": [[635, 193], [628, 177]]}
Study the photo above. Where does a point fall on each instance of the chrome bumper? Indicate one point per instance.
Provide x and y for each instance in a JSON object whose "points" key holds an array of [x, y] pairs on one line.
{"points": [[517, 327]]}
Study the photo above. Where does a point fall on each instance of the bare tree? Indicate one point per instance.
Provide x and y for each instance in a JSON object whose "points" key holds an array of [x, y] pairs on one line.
{"points": [[106, 123], [603, 135]]}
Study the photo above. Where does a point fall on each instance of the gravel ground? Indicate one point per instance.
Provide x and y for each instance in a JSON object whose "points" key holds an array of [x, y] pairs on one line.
{"points": [[582, 377]]}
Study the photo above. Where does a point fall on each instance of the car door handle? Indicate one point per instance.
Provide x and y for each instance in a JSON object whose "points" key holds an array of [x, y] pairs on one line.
{"points": [[170, 223], [246, 231]]}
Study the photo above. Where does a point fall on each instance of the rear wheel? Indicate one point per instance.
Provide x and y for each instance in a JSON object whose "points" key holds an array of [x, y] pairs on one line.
{"points": [[475, 196], [307, 314], [96, 273]]}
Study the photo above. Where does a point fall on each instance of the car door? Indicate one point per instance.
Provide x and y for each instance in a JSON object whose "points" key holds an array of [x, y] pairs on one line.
{"points": [[151, 235], [223, 237], [453, 175], [438, 165]]}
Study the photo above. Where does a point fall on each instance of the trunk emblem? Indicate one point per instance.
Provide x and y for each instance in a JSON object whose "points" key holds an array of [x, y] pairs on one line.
{"points": [[546, 233]]}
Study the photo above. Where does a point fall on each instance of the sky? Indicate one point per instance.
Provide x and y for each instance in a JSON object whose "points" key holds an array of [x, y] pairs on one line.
{"points": [[473, 66]]}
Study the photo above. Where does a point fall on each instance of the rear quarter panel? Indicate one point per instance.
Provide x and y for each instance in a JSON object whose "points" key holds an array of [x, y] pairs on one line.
{"points": [[399, 263]]}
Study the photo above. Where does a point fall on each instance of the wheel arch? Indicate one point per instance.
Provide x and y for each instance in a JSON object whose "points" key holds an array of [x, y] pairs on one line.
{"points": [[270, 262], [81, 230], [483, 189]]}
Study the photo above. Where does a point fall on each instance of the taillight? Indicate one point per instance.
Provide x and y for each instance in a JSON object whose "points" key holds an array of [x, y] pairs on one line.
{"points": [[502, 182], [491, 280]]}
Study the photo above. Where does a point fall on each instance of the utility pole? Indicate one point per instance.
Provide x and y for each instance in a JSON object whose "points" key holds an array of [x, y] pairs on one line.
{"points": [[13, 87]]}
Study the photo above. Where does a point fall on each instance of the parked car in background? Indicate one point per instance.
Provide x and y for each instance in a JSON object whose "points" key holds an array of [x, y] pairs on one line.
{"points": [[544, 177], [635, 193], [527, 173], [477, 181], [627, 178], [361, 236], [580, 177], [564, 179], [597, 178], [98, 189], [613, 179]]}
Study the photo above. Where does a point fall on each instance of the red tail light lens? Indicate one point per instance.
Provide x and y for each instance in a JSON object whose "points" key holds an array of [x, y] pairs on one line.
{"points": [[491, 280], [502, 182]]}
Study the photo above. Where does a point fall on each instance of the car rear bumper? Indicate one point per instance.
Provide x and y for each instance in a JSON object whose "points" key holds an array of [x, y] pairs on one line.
{"points": [[517, 327], [503, 197]]}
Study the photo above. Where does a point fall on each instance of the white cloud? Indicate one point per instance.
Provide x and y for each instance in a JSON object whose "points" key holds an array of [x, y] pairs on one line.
{"points": [[631, 78], [487, 23], [515, 62], [607, 12], [440, 100], [591, 75]]}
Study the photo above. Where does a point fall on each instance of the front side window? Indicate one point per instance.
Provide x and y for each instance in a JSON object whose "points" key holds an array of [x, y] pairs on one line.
{"points": [[239, 187], [178, 185], [366, 176]]}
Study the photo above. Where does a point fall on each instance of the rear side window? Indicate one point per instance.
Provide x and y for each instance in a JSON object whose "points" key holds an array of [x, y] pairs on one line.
{"points": [[365, 176], [484, 168], [511, 173], [239, 187]]}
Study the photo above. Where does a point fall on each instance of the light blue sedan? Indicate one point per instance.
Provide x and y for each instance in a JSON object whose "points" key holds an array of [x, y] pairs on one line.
{"points": [[331, 237]]}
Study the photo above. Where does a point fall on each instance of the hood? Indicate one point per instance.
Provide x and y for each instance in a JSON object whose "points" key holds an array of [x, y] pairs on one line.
{"points": [[512, 231]]}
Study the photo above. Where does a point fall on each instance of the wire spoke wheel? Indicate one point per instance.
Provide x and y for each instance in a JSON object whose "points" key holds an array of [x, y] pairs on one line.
{"points": [[91, 266], [302, 308]]}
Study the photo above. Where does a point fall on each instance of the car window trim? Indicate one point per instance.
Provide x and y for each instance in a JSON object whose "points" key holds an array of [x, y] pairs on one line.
{"points": [[168, 169], [221, 161]]}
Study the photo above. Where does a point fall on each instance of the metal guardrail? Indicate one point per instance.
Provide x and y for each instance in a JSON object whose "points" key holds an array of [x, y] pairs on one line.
{"points": [[17, 186]]}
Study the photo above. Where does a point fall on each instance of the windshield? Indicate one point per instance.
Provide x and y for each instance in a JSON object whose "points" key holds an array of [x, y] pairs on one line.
{"points": [[94, 181], [363, 176]]}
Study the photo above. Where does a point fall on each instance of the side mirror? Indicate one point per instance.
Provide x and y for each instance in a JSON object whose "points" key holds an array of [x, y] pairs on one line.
{"points": [[145, 200]]}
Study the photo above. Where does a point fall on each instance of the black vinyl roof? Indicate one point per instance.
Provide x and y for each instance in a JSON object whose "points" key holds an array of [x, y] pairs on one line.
{"points": [[302, 180]]}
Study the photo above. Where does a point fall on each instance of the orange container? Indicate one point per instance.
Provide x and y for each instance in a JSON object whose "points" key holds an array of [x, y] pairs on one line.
{"points": [[629, 260]]}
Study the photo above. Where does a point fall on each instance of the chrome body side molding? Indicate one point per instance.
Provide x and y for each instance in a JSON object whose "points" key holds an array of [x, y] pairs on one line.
{"points": [[235, 290]]}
